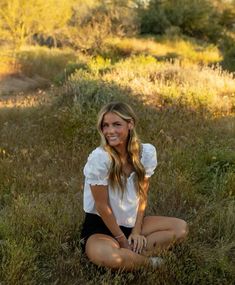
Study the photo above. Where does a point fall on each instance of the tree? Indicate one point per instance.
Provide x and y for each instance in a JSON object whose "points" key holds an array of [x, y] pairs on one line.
{"points": [[20, 19], [196, 18], [93, 21]]}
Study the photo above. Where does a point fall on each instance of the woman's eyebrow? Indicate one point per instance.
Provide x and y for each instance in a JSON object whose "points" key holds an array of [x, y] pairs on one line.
{"points": [[115, 122]]}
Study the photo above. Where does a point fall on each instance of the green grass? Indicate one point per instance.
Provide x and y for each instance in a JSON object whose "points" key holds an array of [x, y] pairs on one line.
{"points": [[185, 110], [164, 48]]}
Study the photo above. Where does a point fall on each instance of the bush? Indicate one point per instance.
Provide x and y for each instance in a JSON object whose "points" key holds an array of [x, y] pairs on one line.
{"points": [[229, 59], [70, 68], [194, 18], [88, 32], [154, 20]]}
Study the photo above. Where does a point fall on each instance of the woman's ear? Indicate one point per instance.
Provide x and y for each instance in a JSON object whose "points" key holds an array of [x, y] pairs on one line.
{"points": [[131, 125]]}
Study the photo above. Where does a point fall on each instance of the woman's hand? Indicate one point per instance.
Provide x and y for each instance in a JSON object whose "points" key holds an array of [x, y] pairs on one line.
{"points": [[123, 242], [138, 242]]}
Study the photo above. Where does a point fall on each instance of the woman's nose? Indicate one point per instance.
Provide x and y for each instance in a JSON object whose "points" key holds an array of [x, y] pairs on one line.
{"points": [[110, 129]]}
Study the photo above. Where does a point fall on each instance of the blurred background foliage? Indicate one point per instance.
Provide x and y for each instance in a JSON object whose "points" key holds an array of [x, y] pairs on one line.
{"points": [[85, 25]]}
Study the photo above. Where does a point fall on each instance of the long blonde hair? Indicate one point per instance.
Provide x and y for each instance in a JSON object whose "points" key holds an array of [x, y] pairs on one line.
{"points": [[116, 173]]}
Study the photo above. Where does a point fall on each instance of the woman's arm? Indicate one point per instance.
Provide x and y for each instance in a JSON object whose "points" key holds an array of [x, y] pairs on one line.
{"points": [[136, 238], [141, 209], [100, 194]]}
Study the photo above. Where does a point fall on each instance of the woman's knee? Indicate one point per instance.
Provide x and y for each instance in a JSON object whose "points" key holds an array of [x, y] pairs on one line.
{"points": [[181, 229], [104, 255], [109, 259]]}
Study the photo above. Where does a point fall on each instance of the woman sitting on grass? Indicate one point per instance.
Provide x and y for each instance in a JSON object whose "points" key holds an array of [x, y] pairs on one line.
{"points": [[116, 233]]}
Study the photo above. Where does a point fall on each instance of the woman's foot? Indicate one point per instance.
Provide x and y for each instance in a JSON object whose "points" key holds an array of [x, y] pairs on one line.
{"points": [[156, 261]]}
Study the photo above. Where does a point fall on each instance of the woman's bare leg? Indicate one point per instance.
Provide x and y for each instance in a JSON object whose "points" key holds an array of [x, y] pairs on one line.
{"points": [[162, 232], [103, 250]]}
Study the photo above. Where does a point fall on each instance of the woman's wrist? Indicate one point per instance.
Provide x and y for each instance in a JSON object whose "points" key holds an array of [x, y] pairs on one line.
{"points": [[118, 237], [137, 228], [136, 231], [123, 242]]}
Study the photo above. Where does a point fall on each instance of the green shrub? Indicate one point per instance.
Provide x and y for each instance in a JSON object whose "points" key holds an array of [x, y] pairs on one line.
{"points": [[195, 18], [227, 18], [69, 69], [154, 20], [229, 59]]}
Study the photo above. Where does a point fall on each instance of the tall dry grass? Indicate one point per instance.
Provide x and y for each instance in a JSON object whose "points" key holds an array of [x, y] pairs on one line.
{"points": [[164, 48], [186, 111]]}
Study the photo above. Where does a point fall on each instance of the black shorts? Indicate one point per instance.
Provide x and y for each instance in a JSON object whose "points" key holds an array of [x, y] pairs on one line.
{"points": [[93, 224]]}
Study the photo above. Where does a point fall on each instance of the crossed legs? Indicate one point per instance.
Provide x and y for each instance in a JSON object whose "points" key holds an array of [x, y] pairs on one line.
{"points": [[160, 232], [104, 250]]}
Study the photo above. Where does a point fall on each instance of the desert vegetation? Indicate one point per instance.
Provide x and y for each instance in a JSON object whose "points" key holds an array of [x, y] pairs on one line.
{"points": [[183, 92]]}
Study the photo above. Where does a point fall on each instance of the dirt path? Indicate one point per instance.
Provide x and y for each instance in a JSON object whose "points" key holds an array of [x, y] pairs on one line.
{"points": [[21, 91], [20, 83]]}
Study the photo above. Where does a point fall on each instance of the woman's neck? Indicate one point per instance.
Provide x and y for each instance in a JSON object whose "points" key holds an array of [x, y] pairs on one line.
{"points": [[122, 152]]}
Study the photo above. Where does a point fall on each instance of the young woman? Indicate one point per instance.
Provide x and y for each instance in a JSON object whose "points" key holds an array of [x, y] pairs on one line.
{"points": [[116, 233]]}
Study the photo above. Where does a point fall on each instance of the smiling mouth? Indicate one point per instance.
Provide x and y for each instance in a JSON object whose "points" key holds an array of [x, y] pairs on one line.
{"points": [[112, 138]]}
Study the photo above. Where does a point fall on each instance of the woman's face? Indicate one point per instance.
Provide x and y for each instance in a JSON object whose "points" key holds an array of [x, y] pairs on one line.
{"points": [[115, 130]]}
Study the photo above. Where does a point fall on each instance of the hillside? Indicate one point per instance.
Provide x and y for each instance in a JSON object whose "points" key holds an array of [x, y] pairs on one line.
{"points": [[186, 109]]}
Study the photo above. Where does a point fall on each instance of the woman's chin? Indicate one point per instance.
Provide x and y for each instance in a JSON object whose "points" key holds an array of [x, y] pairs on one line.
{"points": [[114, 143]]}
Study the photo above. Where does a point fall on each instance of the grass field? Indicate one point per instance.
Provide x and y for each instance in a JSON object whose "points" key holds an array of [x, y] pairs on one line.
{"points": [[186, 109]]}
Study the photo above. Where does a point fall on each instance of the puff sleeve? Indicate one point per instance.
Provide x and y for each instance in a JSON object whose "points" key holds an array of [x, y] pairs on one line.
{"points": [[96, 170], [149, 159]]}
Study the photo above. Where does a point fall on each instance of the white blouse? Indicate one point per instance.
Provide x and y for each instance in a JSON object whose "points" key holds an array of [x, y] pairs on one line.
{"points": [[96, 172]]}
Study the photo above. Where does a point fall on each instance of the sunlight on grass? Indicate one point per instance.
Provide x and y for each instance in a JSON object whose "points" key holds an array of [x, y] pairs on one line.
{"points": [[31, 60], [193, 85], [7, 63], [196, 53], [177, 48], [28, 100]]}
